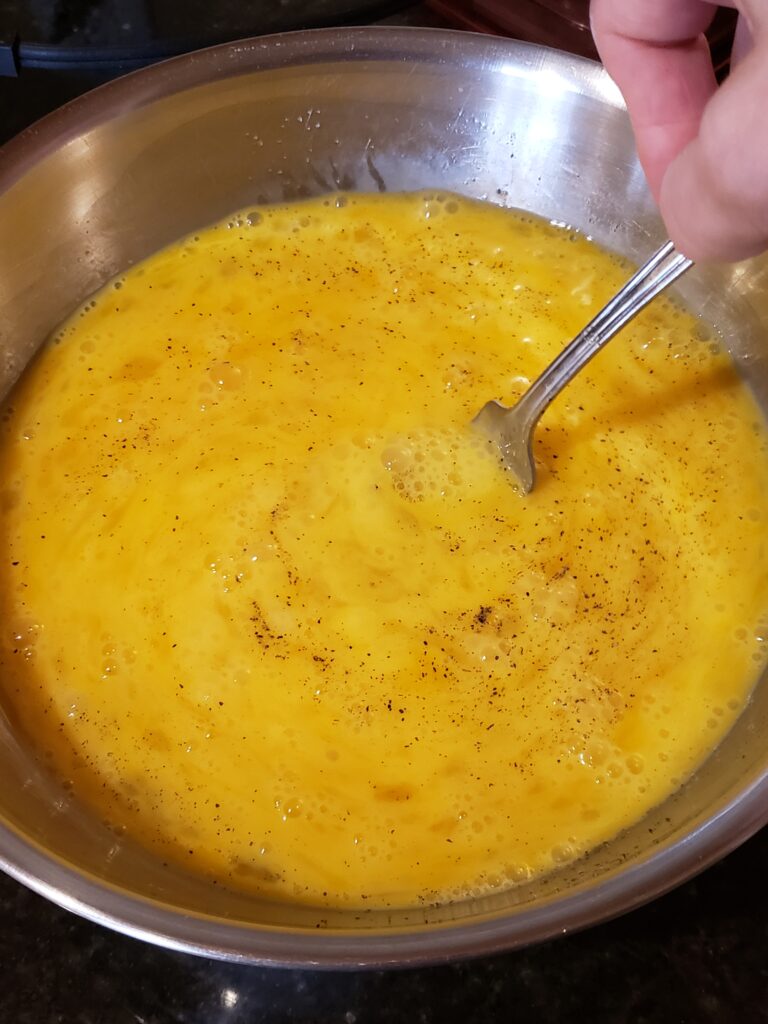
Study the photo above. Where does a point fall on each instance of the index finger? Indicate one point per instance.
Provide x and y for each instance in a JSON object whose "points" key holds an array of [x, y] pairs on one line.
{"points": [[656, 53]]}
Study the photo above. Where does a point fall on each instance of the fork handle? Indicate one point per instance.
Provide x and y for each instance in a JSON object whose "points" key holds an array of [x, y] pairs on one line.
{"points": [[664, 267]]}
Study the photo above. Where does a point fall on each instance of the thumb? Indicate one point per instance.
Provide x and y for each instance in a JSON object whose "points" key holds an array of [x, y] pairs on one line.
{"points": [[714, 194]]}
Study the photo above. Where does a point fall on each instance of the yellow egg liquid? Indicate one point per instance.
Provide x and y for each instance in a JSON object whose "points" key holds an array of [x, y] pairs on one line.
{"points": [[275, 611]]}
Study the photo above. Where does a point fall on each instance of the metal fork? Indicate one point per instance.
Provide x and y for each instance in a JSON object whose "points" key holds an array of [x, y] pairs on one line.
{"points": [[512, 428]]}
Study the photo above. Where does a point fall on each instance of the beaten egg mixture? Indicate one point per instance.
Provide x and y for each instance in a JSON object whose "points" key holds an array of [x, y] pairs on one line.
{"points": [[273, 608]]}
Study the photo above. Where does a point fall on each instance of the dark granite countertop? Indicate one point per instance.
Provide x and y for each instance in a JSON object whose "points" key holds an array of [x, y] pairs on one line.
{"points": [[697, 956]]}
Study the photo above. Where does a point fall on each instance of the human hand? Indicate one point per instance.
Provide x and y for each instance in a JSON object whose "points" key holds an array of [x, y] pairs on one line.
{"points": [[704, 149]]}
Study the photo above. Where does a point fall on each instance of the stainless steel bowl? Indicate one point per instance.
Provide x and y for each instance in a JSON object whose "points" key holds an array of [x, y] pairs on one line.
{"points": [[121, 172]]}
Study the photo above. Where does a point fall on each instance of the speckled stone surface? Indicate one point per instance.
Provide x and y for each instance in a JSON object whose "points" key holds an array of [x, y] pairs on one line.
{"points": [[697, 956]]}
